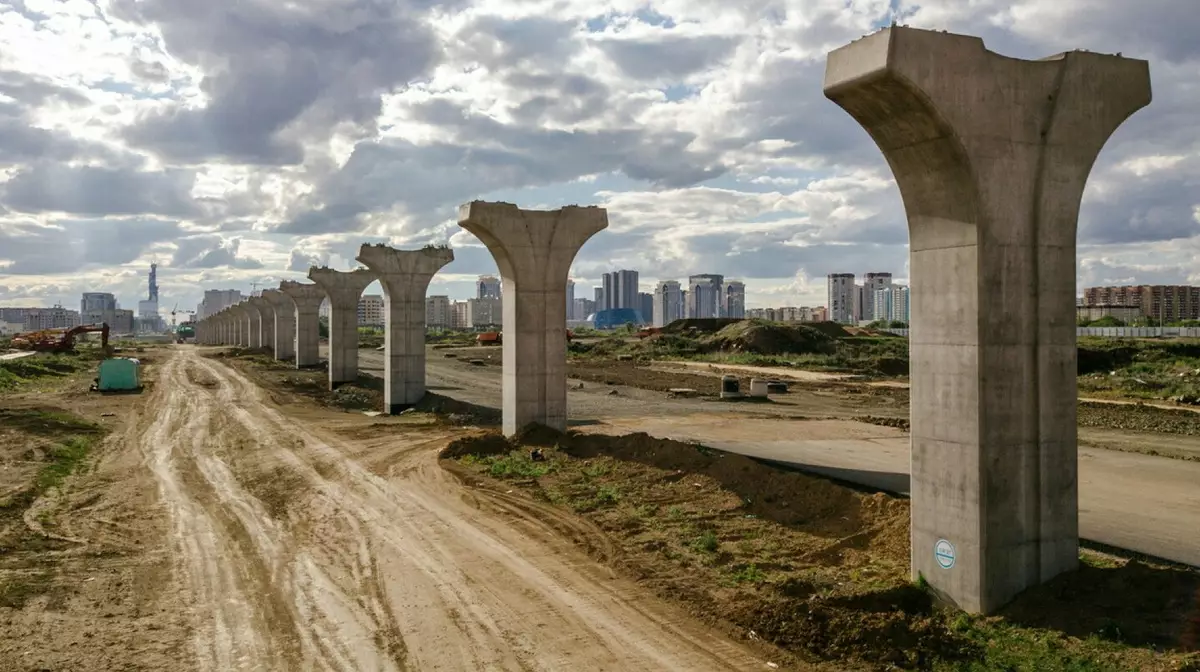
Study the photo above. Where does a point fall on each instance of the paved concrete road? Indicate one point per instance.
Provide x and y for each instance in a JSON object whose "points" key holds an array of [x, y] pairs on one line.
{"points": [[1138, 502]]}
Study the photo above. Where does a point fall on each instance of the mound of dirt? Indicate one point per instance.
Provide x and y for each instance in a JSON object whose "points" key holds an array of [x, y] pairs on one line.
{"points": [[830, 329], [709, 325], [770, 338], [816, 568]]}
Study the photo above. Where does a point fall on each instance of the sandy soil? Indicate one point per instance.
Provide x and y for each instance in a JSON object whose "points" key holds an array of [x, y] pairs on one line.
{"points": [[347, 547], [85, 570]]}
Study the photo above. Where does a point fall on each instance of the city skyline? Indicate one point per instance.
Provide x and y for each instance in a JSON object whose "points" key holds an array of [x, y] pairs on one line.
{"points": [[725, 157]]}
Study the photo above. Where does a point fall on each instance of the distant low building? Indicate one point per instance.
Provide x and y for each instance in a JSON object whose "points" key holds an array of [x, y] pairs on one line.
{"points": [[37, 319]]}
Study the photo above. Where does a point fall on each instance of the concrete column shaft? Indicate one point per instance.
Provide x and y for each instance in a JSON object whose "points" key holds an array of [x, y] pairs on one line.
{"points": [[405, 277], [343, 288], [253, 325], [266, 323], [534, 251], [284, 329], [991, 155]]}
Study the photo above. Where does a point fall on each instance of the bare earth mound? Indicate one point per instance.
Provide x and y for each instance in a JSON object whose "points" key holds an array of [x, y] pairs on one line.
{"points": [[818, 569]]}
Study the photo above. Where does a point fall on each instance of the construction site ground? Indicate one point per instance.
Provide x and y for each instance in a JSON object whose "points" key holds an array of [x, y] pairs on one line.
{"points": [[237, 515]]}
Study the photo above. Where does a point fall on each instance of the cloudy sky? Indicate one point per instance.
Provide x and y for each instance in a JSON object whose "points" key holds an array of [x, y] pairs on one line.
{"points": [[240, 142]]}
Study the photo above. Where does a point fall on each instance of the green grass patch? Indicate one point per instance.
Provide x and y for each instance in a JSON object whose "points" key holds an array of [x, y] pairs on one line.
{"points": [[513, 465], [63, 459], [17, 372], [705, 542]]}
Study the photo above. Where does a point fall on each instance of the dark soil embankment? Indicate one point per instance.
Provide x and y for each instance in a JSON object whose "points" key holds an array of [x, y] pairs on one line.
{"points": [[818, 569]]}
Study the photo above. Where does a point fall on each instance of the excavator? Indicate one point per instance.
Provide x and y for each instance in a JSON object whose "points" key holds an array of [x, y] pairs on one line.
{"points": [[58, 340]]}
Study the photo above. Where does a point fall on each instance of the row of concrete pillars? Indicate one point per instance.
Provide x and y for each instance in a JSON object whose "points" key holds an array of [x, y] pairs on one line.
{"points": [[534, 250], [991, 155]]}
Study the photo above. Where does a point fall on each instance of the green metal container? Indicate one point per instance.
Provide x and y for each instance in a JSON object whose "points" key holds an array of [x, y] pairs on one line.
{"points": [[120, 373]]}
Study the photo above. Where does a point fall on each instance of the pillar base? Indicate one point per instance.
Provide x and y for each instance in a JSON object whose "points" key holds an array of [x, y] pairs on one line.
{"points": [[397, 409]]}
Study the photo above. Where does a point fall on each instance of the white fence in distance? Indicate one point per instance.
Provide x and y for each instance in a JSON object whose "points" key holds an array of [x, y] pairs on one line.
{"points": [[1115, 332]]}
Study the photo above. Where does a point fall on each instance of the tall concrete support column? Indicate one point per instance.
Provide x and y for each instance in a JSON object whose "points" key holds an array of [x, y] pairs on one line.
{"points": [[343, 289], [534, 251], [241, 325], [265, 322], [991, 155], [284, 329], [405, 276], [307, 301], [222, 320], [253, 323]]}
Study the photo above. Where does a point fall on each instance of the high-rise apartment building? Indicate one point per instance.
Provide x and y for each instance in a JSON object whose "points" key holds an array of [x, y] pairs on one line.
{"points": [[607, 298], [439, 313], [458, 315], [890, 303], [584, 308], [704, 295], [486, 312], [668, 303], [872, 283], [1168, 303], [646, 307], [597, 299], [841, 297], [487, 287], [627, 290], [97, 301], [216, 300], [733, 299], [370, 311], [620, 290]]}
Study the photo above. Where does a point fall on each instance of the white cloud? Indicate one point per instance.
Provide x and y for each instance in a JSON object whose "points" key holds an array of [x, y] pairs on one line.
{"points": [[240, 144]]}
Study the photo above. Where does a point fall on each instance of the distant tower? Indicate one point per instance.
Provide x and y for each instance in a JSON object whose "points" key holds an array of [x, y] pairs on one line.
{"points": [[154, 283]]}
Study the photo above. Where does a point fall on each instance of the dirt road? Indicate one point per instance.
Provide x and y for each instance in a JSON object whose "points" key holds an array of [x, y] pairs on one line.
{"points": [[348, 548]]}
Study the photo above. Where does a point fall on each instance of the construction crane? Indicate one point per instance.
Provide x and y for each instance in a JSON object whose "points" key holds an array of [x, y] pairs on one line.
{"points": [[173, 310]]}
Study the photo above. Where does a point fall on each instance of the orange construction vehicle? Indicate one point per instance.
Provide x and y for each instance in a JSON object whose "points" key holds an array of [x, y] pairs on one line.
{"points": [[56, 340]]}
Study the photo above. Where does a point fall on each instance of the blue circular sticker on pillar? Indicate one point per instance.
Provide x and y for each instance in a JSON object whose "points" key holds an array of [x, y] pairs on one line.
{"points": [[943, 551]]}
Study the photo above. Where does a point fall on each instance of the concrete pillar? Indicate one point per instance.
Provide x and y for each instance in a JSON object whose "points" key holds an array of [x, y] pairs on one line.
{"points": [[241, 329], [405, 276], [343, 289], [534, 251], [991, 155], [307, 301], [253, 323], [284, 329], [265, 322]]}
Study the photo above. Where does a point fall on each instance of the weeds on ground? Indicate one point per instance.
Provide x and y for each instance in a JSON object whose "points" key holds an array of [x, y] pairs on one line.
{"points": [[17, 372], [64, 459], [801, 574]]}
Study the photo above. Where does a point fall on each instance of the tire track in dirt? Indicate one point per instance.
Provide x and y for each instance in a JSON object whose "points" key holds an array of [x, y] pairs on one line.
{"points": [[467, 589], [261, 601]]}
